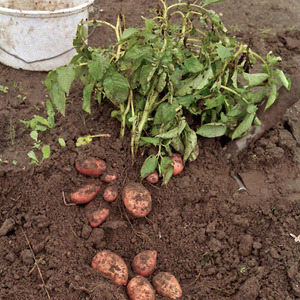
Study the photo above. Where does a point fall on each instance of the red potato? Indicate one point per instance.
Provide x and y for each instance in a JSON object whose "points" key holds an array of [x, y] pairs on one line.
{"points": [[85, 194], [177, 163], [110, 193], [144, 263], [112, 266], [98, 217], [109, 177], [167, 285], [137, 199], [153, 177], [139, 288], [91, 167]]}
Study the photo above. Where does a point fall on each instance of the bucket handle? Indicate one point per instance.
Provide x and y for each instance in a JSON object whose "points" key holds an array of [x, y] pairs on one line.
{"points": [[98, 10]]}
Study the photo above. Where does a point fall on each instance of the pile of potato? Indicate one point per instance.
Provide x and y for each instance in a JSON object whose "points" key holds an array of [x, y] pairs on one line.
{"points": [[113, 267]]}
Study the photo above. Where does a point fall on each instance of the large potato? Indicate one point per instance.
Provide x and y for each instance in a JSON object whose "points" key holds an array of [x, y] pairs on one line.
{"points": [[167, 285], [139, 288], [112, 266], [144, 263], [85, 194], [137, 199], [91, 166]]}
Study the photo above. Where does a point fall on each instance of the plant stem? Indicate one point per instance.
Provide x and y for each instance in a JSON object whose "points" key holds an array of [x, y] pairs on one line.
{"points": [[234, 92]]}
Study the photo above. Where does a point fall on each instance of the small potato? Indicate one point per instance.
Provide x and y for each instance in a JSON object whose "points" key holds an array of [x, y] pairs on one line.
{"points": [[112, 266], [98, 217], [153, 177], [139, 288], [144, 263], [91, 166], [137, 199], [110, 193], [167, 285], [109, 177], [177, 163], [85, 194]]}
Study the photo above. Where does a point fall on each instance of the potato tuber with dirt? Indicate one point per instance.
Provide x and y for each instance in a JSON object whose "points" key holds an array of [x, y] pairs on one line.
{"points": [[139, 288], [137, 199], [112, 266], [110, 193], [85, 194], [153, 177], [98, 217], [109, 177], [177, 164], [91, 166], [144, 263], [167, 285]]}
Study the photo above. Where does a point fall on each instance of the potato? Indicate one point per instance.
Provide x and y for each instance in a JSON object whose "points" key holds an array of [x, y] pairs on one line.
{"points": [[109, 177], [139, 288], [153, 177], [112, 266], [91, 166], [98, 217], [144, 263], [137, 199], [167, 285], [110, 193], [177, 163], [85, 194]]}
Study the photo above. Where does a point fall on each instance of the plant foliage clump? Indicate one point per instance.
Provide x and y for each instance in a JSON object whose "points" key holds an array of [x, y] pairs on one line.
{"points": [[182, 62]]}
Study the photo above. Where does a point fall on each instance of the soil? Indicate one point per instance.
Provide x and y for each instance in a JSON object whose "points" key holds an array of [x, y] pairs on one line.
{"points": [[220, 242]]}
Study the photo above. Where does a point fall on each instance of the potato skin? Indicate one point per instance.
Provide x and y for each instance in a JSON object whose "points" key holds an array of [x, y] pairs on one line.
{"points": [[177, 163], [137, 199], [98, 217], [110, 193], [109, 177], [144, 263], [139, 288], [91, 167], [167, 285], [112, 266], [85, 194], [153, 177]]}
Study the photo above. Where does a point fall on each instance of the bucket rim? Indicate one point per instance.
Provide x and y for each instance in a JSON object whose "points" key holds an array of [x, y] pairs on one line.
{"points": [[45, 13]]}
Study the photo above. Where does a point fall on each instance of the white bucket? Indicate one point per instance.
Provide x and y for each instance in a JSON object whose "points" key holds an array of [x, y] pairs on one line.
{"points": [[38, 34]]}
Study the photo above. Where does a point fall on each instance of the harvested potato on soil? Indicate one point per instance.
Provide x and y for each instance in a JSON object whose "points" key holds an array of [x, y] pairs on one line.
{"points": [[144, 263], [112, 266], [139, 288], [110, 193], [109, 177], [137, 199], [167, 285], [85, 194], [98, 217], [178, 164], [91, 166], [153, 177]]}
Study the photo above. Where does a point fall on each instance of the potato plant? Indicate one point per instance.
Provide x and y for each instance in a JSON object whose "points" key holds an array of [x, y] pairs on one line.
{"points": [[182, 62]]}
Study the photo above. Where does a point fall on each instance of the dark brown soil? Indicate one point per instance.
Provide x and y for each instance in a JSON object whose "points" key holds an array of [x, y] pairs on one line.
{"points": [[219, 242]]}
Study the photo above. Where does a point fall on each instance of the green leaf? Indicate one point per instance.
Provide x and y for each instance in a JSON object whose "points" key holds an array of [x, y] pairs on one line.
{"points": [[161, 82], [116, 87], [256, 97], [206, 2], [149, 166], [252, 108], [98, 67], [177, 144], [87, 91], [149, 140], [62, 142], [164, 113], [58, 98], [173, 132], [214, 102], [128, 32], [234, 79], [146, 75], [186, 101], [50, 79], [244, 126], [193, 65], [190, 142], [273, 60], [272, 96], [286, 82], [255, 79], [34, 135], [83, 140], [166, 169], [42, 120], [223, 52], [212, 130], [46, 151], [65, 77], [32, 155]]}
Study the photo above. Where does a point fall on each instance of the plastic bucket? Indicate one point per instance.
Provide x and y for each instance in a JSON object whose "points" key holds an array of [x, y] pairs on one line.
{"points": [[38, 34]]}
